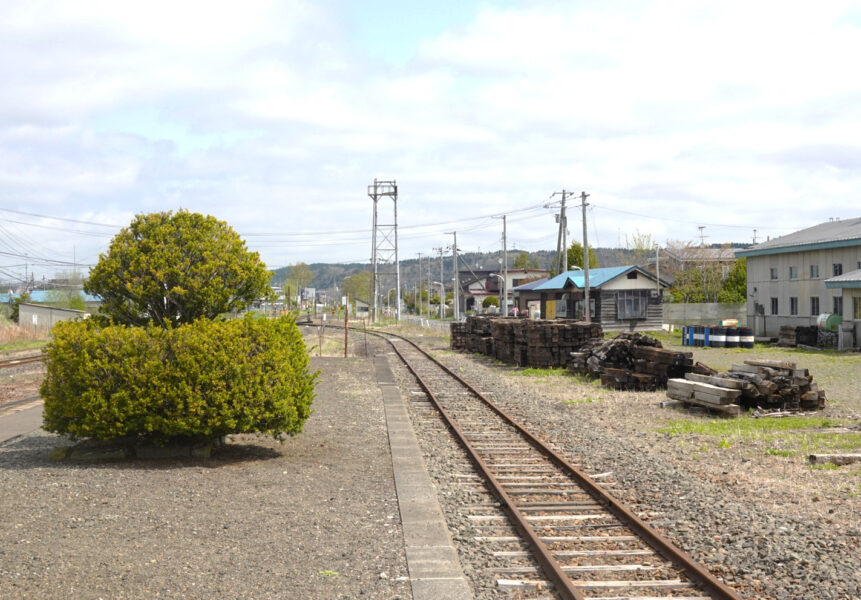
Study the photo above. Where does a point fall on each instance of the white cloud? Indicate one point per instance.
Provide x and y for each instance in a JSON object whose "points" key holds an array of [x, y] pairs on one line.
{"points": [[263, 114]]}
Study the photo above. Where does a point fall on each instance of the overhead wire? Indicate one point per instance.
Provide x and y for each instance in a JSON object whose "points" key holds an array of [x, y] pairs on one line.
{"points": [[661, 218]]}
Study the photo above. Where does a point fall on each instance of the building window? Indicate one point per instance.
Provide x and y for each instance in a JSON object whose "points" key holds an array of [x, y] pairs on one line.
{"points": [[632, 275], [774, 306], [838, 269], [632, 304], [793, 306], [793, 272], [856, 308], [814, 271], [773, 272], [814, 306], [838, 305]]}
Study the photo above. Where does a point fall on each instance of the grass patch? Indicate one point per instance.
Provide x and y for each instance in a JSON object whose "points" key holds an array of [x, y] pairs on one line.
{"points": [[580, 401], [22, 345], [833, 442], [533, 372], [781, 452], [825, 467], [790, 436], [584, 379], [746, 426]]}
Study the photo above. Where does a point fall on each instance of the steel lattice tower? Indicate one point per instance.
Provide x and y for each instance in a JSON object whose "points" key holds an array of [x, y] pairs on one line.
{"points": [[386, 267]]}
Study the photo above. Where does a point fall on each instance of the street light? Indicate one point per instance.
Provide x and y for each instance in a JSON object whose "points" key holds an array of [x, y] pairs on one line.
{"points": [[501, 287], [441, 298]]}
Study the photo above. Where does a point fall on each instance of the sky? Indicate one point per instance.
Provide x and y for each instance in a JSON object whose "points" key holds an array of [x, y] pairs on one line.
{"points": [[725, 120]]}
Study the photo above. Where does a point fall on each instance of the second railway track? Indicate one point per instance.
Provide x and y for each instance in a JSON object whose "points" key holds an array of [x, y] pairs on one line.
{"points": [[585, 543], [18, 361]]}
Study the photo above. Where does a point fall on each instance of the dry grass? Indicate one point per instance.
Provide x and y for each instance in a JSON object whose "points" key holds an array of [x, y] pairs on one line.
{"points": [[13, 337]]}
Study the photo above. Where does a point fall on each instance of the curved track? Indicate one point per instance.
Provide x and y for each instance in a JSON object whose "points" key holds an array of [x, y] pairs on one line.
{"points": [[588, 545]]}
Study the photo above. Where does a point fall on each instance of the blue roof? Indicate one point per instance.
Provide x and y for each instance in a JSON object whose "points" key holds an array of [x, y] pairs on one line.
{"points": [[597, 278], [42, 296], [531, 285]]}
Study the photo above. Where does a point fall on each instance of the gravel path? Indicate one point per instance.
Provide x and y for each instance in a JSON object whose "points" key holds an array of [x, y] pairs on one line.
{"points": [[770, 535], [316, 517]]}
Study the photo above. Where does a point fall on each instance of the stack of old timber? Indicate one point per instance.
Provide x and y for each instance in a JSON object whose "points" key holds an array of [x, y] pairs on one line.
{"points": [[549, 343], [786, 336], [524, 342], [476, 335], [767, 384], [632, 361], [458, 336]]}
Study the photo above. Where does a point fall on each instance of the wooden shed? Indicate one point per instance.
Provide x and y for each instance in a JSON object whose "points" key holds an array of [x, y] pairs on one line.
{"points": [[626, 298]]}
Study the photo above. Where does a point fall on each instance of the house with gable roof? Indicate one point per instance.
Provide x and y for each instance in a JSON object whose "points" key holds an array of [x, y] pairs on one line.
{"points": [[626, 298]]}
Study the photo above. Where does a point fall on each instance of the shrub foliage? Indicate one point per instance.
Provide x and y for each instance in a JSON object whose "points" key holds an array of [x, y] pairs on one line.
{"points": [[172, 268], [200, 380]]}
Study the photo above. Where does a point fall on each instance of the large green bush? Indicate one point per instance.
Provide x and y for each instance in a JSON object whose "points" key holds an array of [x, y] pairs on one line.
{"points": [[198, 381], [174, 268]]}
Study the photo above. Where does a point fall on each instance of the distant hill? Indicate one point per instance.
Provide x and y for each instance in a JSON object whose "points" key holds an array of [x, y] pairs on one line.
{"points": [[328, 275]]}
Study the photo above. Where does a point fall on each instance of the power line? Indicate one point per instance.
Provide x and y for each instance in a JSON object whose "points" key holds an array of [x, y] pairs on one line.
{"points": [[660, 218], [29, 214]]}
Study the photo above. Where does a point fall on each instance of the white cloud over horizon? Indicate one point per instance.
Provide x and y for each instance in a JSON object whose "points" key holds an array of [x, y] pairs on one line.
{"points": [[276, 115]]}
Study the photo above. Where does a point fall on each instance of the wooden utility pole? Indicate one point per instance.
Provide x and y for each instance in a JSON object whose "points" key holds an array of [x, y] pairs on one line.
{"points": [[456, 289], [418, 299], [587, 312], [346, 323], [505, 264], [562, 236]]}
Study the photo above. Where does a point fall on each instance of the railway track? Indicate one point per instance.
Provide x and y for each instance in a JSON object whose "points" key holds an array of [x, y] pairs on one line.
{"points": [[585, 542], [21, 360]]}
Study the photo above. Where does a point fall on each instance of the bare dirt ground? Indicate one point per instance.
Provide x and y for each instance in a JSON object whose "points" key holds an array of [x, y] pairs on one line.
{"points": [[314, 517]]}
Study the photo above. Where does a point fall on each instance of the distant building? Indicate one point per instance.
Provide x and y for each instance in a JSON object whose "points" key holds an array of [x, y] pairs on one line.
{"points": [[40, 319], [476, 285], [793, 279]]}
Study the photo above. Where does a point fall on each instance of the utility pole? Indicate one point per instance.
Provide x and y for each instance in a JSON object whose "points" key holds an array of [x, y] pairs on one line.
{"points": [[702, 237], [586, 311], [563, 224], [429, 284], [456, 290], [562, 236], [419, 302], [505, 262], [504, 295], [384, 244], [658, 268], [441, 250]]}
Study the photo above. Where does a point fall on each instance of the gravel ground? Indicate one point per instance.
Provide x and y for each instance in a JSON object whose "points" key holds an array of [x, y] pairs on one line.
{"points": [[316, 517], [771, 526]]}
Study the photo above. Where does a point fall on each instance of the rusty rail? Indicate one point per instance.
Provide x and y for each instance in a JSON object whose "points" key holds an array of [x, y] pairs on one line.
{"points": [[551, 567], [23, 360]]}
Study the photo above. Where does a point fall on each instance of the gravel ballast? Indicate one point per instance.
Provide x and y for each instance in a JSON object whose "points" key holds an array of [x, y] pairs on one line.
{"points": [[315, 517], [772, 528]]}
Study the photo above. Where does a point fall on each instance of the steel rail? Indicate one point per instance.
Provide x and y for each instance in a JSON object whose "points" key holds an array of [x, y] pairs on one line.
{"points": [[552, 569], [663, 546], [14, 362]]}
